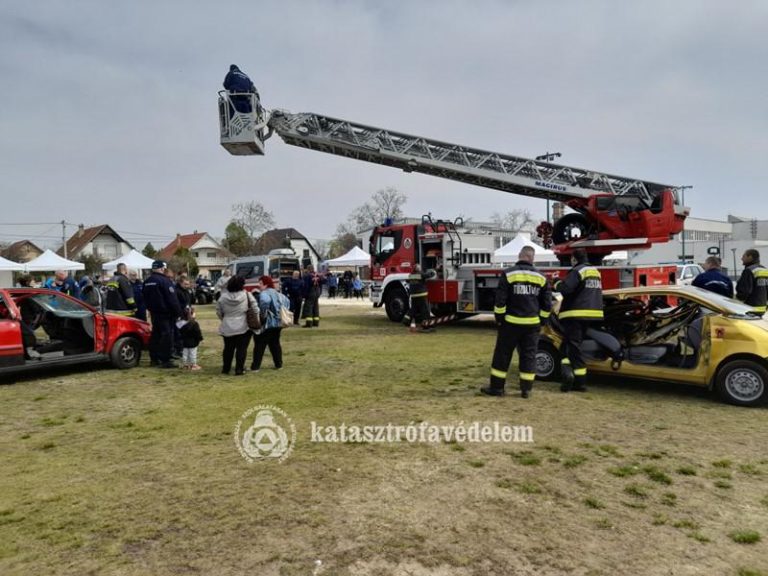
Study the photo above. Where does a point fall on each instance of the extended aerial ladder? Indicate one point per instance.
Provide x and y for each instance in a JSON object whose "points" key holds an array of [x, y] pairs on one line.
{"points": [[611, 212]]}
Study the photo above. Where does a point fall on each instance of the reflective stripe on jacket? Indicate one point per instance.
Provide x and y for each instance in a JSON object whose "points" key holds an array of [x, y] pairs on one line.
{"points": [[523, 296], [752, 287], [582, 292]]}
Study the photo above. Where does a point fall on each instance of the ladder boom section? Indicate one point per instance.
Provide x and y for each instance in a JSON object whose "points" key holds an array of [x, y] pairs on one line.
{"points": [[513, 174]]}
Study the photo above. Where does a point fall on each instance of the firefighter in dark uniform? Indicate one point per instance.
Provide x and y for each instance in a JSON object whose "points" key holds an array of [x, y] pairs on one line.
{"points": [[582, 304], [419, 302], [752, 287], [120, 298], [523, 300], [312, 288], [163, 306]]}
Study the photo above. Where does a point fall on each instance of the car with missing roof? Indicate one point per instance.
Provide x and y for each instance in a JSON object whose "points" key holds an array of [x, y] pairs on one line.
{"points": [[679, 334], [42, 328]]}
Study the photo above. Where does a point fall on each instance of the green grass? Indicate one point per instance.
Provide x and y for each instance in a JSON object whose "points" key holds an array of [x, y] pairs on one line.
{"points": [[136, 472], [745, 536]]}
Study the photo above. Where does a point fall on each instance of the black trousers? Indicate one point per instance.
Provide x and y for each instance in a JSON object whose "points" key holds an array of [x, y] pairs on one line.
{"points": [[570, 351], [525, 339], [269, 338], [235, 347], [419, 309], [296, 308], [311, 312], [161, 340]]}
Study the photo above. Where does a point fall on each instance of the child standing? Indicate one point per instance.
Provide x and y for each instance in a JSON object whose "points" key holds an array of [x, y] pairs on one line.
{"points": [[191, 336]]}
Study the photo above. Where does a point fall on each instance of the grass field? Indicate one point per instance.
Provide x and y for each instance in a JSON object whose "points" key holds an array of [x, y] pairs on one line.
{"points": [[136, 472]]}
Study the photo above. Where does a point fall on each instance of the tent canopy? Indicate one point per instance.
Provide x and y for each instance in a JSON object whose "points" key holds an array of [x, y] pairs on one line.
{"points": [[511, 250], [9, 266], [134, 260], [355, 257], [49, 261]]}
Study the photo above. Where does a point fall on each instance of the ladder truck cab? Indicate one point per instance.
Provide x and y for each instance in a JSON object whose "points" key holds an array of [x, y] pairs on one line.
{"points": [[462, 278], [445, 250], [609, 212]]}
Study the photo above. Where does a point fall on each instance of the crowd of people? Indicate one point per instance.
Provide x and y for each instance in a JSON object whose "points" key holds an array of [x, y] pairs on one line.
{"points": [[523, 303]]}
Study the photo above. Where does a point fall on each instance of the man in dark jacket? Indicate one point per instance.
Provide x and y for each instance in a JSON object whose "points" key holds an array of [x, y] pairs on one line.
{"points": [[752, 287], [63, 282], [582, 304], [293, 289], [417, 289], [237, 81], [523, 300], [311, 290], [713, 279], [138, 287], [120, 299], [163, 305]]}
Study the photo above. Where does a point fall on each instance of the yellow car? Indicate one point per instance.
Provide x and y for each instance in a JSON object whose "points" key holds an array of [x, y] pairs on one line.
{"points": [[677, 334]]}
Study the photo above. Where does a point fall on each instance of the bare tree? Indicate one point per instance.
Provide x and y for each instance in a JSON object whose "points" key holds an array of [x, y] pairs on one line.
{"points": [[253, 218], [321, 247], [385, 203], [514, 220]]}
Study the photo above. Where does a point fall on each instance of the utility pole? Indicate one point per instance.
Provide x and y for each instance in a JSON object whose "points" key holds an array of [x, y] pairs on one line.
{"points": [[64, 237], [548, 157], [682, 234], [733, 250]]}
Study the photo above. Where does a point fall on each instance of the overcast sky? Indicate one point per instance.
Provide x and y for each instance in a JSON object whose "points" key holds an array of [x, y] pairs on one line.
{"points": [[108, 110]]}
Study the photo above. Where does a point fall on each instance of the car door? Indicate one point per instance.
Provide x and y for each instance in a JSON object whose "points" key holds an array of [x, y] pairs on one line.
{"points": [[11, 346]]}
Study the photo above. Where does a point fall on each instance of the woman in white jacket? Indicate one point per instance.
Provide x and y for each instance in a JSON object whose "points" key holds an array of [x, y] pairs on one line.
{"points": [[232, 308]]}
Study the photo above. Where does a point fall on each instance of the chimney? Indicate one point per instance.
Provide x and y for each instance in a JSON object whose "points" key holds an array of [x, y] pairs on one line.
{"points": [[178, 240], [80, 230]]}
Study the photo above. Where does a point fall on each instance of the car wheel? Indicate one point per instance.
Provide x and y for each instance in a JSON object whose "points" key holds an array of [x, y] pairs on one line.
{"points": [[547, 362], [126, 353], [396, 303], [742, 382]]}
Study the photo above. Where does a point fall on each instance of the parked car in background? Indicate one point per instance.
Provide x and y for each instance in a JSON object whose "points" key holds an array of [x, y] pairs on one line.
{"points": [[673, 334], [686, 273], [42, 328]]}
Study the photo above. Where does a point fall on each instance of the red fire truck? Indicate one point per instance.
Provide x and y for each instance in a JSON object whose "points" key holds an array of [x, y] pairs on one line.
{"points": [[465, 278], [609, 212]]}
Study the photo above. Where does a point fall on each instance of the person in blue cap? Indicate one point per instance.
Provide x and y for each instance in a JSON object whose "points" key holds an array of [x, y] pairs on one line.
{"points": [[163, 305]]}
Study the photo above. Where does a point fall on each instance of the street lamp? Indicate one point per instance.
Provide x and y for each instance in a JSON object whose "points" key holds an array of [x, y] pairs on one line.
{"points": [[682, 189], [733, 250], [548, 157]]}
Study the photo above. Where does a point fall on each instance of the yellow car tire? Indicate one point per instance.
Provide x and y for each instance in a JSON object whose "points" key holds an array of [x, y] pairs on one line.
{"points": [[742, 382], [547, 362]]}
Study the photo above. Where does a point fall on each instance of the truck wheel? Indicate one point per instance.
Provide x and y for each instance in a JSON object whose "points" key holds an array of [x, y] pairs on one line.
{"points": [[202, 299], [570, 227], [742, 382], [126, 353], [547, 362], [396, 303]]}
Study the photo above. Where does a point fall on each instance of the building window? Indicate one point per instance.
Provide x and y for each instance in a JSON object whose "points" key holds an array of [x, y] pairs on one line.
{"points": [[197, 254], [306, 253], [211, 255]]}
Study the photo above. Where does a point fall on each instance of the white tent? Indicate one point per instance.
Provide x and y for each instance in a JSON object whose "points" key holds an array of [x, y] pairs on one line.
{"points": [[355, 257], [134, 260], [49, 261], [511, 250], [8, 266]]}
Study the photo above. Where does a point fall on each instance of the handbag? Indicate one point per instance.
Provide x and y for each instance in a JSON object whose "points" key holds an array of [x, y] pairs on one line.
{"points": [[252, 318], [286, 316]]}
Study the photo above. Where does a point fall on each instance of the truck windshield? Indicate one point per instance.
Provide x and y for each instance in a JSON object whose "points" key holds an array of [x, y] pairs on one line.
{"points": [[386, 244]]}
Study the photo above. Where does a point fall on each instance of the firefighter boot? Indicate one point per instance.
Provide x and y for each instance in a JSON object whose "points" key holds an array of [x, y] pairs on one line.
{"points": [[308, 324], [580, 384], [566, 373], [490, 391], [525, 390], [316, 322]]}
